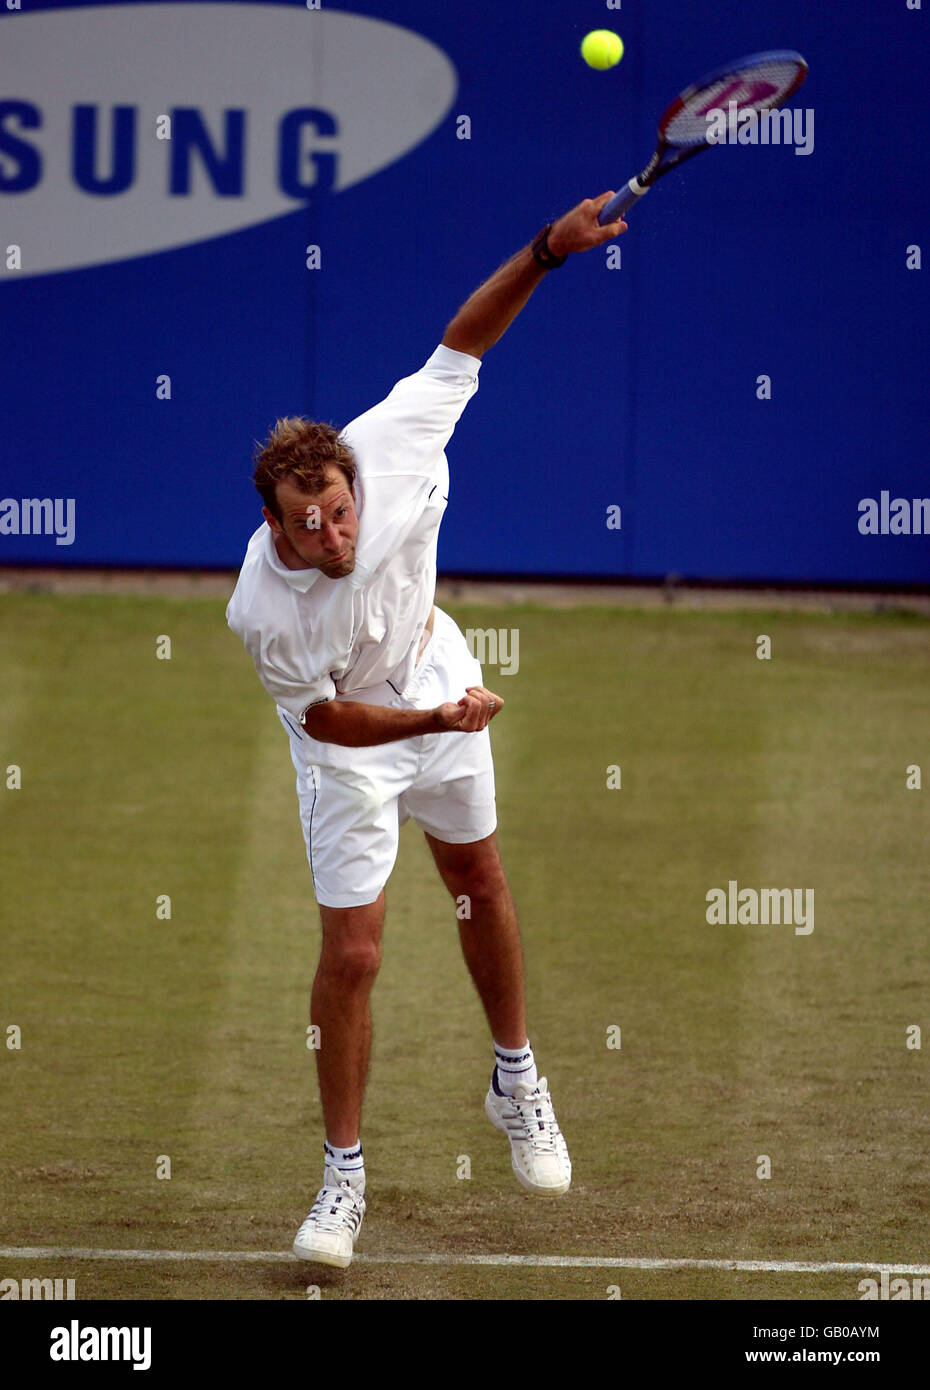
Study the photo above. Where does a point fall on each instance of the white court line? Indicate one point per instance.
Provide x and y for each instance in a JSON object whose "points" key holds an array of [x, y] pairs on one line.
{"points": [[78, 1252]]}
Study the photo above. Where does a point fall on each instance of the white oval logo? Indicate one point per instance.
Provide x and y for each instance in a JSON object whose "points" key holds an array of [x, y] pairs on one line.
{"points": [[266, 106]]}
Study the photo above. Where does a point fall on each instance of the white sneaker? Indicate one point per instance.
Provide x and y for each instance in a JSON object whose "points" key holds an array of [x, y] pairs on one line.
{"points": [[539, 1154], [329, 1233]]}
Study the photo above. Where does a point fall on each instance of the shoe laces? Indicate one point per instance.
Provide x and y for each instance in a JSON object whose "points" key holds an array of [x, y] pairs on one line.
{"points": [[532, 1117], [335, 1208]]}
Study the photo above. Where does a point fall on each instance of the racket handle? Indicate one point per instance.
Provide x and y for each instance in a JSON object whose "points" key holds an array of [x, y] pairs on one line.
{"points": [[623, 200]]}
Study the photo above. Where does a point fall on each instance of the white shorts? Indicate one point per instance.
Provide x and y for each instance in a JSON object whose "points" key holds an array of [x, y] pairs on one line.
{"points": [[353, 801]]}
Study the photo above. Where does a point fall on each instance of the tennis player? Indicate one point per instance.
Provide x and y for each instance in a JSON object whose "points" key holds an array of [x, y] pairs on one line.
{"points": [[387, 715]]}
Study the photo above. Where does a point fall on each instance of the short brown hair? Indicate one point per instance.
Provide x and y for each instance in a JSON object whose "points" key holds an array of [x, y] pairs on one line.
{"points": [[304, 451]]}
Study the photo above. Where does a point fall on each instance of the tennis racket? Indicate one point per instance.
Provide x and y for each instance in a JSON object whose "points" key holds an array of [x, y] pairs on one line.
{"points": [[757, 83]]}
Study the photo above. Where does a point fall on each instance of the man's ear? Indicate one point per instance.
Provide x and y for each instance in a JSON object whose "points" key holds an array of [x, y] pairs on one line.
{"points": [[273, 521]]}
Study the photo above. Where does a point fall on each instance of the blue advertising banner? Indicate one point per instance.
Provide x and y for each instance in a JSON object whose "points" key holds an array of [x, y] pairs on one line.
{"points": [[216, 214]]}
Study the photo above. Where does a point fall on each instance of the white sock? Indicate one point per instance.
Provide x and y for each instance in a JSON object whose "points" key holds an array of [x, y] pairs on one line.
{"points": [[515, 1066], [344, 1165]]}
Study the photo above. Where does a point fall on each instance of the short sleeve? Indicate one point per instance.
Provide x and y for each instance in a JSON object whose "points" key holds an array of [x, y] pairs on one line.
{"points": [[407, 432], [295, 696], [399, 449], [278, 664]]}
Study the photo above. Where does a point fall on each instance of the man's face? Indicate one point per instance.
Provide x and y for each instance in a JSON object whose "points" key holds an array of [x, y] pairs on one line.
{"points": [[318, 530]]}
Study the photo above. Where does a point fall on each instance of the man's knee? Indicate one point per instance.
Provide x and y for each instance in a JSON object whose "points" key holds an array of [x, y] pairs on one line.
{"points": [[355, 962], [475, 872], [352, 942]]}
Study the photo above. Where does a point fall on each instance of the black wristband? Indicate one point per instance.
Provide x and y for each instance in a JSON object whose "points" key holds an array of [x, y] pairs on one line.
{"points": [[541, 253]]}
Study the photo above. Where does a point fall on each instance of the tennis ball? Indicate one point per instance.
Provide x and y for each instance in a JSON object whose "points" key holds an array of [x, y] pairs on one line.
{"points": [[602, 48]]}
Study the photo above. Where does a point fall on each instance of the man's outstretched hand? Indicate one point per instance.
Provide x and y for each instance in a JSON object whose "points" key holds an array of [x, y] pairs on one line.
{"points": [[471, 714], [579, 229], [488, 313]]}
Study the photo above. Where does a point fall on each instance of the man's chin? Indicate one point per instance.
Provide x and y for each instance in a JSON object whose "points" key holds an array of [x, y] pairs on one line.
{"points": [[339, 570]]}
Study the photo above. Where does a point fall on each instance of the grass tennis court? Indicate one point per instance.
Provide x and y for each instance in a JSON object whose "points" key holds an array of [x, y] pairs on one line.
{"points": [[144, 1037]]}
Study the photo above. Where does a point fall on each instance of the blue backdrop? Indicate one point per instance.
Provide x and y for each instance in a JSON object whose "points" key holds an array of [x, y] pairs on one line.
{"points": [[633, 387]]}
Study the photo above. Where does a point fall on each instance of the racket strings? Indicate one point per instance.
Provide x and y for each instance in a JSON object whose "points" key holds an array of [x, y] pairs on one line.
{"points": [[757, 88]]}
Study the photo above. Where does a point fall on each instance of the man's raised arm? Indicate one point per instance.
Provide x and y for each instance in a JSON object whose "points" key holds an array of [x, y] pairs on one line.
{"points": [[495, 304]]}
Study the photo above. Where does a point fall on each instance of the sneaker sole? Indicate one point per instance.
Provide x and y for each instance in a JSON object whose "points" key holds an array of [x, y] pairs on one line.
{"points": [[322, 1257], [541, 1191]]}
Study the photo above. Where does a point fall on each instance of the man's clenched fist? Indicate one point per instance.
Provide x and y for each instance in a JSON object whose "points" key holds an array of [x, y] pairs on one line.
{"points": [[471, 714]]}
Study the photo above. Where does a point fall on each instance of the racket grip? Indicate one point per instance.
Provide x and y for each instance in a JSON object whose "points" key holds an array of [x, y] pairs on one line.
{"points": [[623, 200]]}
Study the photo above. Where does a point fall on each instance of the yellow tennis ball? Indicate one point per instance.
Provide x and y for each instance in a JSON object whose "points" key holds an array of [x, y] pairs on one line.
{"points": [[601, 49]]}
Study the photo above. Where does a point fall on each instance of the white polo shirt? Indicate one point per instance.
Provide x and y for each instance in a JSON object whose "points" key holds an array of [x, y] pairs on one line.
{"points": [[312, 637]]}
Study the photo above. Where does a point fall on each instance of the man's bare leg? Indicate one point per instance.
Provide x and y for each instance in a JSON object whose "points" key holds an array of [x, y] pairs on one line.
{"points": [[339, 1005], [491, 944], [490, 936]]}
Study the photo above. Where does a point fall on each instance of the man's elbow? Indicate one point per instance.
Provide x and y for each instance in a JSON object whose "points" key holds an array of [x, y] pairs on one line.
{"points": [[321, 722], [459, 341]]}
